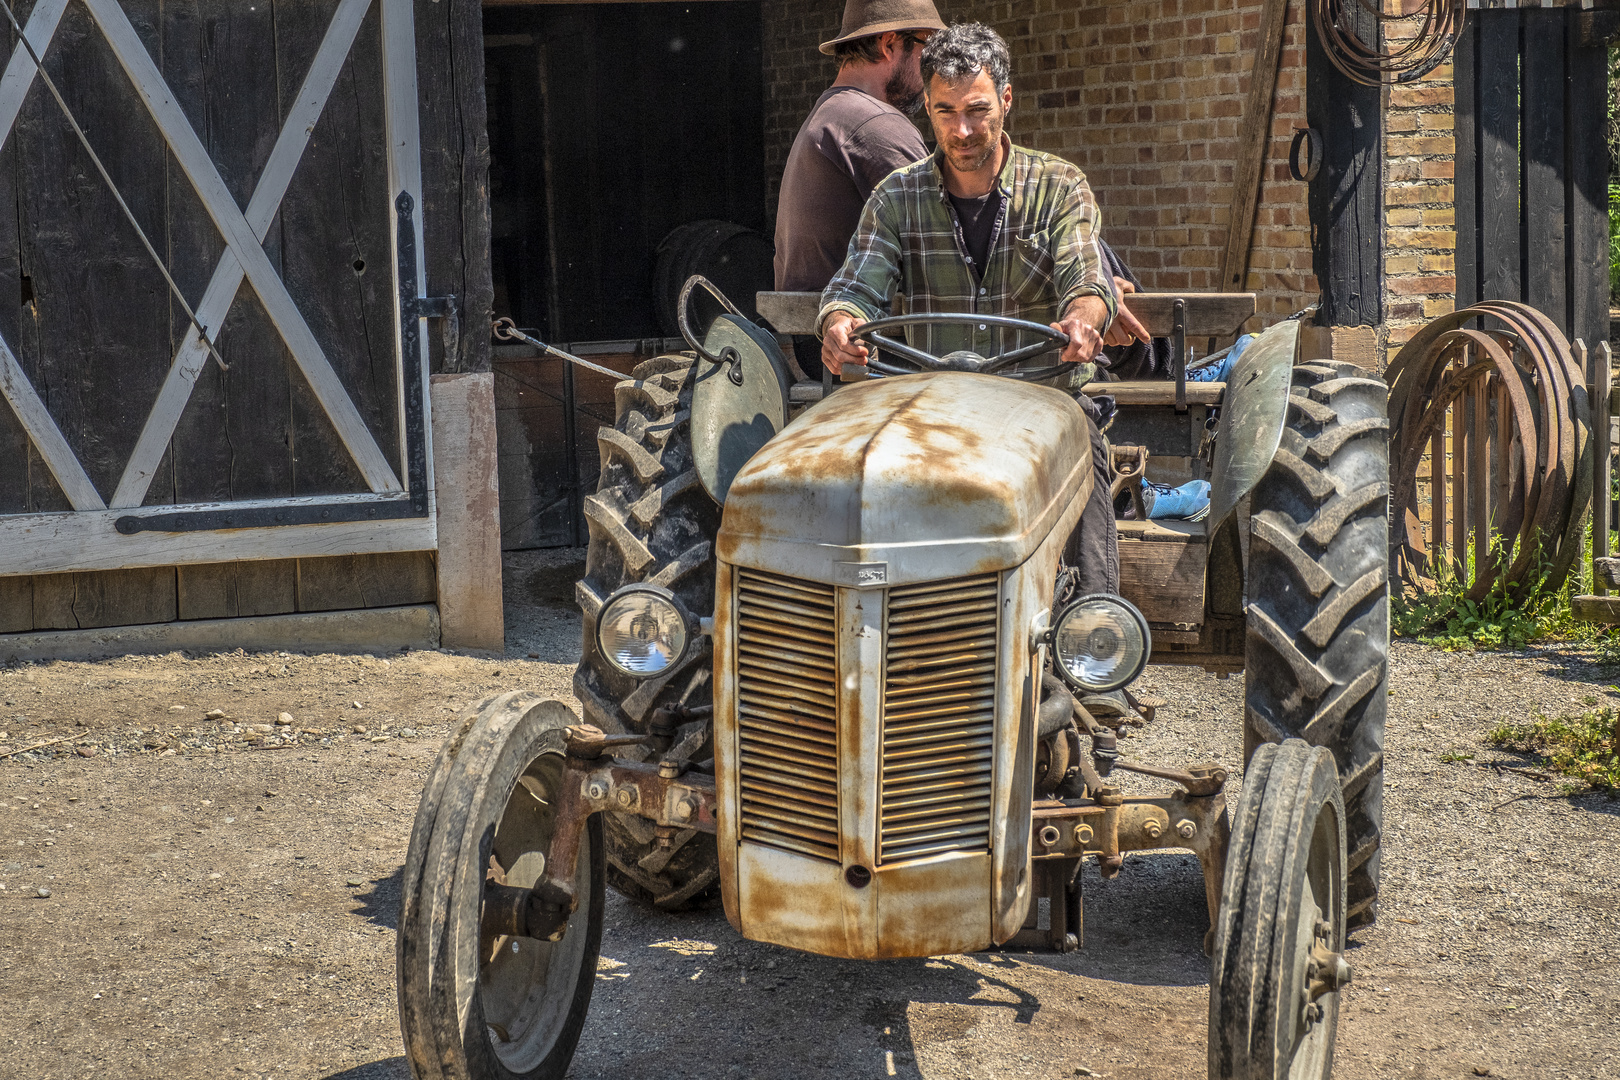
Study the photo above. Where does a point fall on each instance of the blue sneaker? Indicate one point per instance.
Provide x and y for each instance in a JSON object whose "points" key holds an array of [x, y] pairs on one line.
{"points": [[1189, 502]]}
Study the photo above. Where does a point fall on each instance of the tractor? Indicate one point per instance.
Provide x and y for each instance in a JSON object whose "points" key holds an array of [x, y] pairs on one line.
{"points": [[835, 678]]}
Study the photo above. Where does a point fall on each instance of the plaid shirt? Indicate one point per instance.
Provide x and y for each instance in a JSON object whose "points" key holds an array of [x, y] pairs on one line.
{"points": [[1043, 253]]}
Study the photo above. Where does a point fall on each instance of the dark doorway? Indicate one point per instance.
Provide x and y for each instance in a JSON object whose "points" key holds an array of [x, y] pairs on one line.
{"points": [[610, 126]]}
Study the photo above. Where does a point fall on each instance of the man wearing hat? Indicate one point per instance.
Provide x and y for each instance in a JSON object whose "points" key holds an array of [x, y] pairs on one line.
{"points": [[856, 135]]}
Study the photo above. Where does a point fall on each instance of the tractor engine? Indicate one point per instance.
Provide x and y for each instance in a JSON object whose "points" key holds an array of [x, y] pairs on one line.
{"points": [[884, 566]]}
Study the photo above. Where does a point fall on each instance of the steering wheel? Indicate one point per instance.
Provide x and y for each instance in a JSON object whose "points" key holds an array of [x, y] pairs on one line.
{"points": [[962, 360]]}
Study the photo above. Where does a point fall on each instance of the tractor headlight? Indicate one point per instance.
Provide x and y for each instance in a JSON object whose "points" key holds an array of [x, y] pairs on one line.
{"points": [[1101, 642], [642, 630]]}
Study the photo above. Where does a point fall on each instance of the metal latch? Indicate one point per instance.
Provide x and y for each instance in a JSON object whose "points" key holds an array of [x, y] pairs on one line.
{"points": [[443, 308]]}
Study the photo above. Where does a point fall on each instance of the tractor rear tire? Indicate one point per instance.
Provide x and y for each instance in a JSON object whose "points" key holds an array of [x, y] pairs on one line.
{"points": [[650, 520], [1317, 624]]}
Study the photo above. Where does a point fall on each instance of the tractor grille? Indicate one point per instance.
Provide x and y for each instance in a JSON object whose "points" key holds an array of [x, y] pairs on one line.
{"points": [[787, 713], [938, 718]]}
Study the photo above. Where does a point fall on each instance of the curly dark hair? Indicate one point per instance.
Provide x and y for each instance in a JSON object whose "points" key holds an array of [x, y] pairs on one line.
{"points": [[963, 51]]}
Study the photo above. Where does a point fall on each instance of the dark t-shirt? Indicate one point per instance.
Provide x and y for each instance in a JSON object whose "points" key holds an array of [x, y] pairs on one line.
{"points": [[977, 219], [850, 141]]}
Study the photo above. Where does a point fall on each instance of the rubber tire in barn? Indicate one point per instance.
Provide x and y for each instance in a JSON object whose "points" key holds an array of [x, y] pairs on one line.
{"points": [[1317, 650], [651, 521]]}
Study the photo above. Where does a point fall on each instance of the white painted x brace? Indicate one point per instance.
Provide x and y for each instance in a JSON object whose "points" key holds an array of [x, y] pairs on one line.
{"points": [[243, 235], [86, 539]]}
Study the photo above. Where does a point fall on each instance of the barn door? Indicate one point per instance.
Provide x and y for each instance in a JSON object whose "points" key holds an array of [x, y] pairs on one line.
{"points": [[1532, 165], [268, 155]]}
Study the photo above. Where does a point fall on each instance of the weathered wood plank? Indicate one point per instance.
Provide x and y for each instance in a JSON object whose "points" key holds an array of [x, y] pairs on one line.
{"points": [[351, 582], [1346, 198], [1601, 389], [124, 597], [337, 255], [100, 315], [234, 590], [455, 173], [219, 42], [1253, 142], [1466, 180], [1587, 207], [1497, 64], [468, 505], [193, 158], [59, 542], [1603, 609], [53, 602], [1165, 580], [1546, 271], [16, 604]]}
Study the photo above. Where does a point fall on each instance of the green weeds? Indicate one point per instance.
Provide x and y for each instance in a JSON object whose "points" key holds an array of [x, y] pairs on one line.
{"points": [[1585, 748]]}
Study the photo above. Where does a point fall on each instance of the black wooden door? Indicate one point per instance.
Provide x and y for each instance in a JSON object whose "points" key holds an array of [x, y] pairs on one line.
{"points": [[305, 189], [1532, 166]]}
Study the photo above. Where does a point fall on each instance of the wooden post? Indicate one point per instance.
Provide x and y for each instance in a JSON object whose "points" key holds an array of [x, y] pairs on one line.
{"points": [[1254, 138], [1601, 376], [468, 507], [1346, 198]]}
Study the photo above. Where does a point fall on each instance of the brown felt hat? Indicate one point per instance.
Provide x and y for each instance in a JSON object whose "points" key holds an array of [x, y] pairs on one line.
{"points": [[866, 18]]}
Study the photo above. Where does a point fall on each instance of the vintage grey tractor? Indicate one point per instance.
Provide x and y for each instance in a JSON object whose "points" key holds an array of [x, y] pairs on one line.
{"points": [[836, 677]]}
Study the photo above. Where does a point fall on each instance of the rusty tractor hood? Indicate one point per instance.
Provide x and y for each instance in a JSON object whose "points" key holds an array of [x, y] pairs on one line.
{"points": [[911, 479]]}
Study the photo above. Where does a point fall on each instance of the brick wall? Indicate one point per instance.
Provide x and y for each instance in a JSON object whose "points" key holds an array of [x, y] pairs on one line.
{"points": [[1420, 219], [1146, 96]]}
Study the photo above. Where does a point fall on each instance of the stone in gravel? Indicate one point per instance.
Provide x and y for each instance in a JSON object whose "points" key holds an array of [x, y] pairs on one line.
{"points": [[356, 882], [214, 714], [407, 733], [358, 729], [534, 656], [263, 729], [177, 708], [271, 794], [85, 751], [43, 893], [357, 705], [285, 719]]}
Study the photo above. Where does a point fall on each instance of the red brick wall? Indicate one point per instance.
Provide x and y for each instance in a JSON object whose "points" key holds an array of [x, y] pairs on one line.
{"points": [[1146, 96], [1420, 219]]}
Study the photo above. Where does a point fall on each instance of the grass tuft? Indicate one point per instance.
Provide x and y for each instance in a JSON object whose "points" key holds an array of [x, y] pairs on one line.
{"points": [[1585, 748]]}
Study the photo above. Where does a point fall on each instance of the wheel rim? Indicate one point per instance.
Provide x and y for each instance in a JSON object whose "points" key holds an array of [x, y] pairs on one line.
{"points": [[526, 987], [1320, 906]]}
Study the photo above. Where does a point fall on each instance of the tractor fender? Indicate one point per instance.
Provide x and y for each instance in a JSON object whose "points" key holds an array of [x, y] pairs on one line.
{"points": [[1252, 417]]}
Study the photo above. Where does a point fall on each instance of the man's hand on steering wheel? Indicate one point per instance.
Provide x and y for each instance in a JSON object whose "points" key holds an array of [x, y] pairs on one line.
{"points": [[837, 346], [1080, 322]]}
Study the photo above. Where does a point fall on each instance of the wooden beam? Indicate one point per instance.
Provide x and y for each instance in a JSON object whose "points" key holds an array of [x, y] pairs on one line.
{"points": [[1254, 138], [468, 500], [1346, 198], [1603, 609], [62, 542], [1207, 314]]}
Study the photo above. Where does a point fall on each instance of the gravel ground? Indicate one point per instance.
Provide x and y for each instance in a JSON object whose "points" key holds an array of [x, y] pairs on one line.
{"points": [[223, 892]]}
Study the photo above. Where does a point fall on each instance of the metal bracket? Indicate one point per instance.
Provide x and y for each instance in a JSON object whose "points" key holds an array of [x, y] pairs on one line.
{"points": [[1178, 342], [444, 308]]}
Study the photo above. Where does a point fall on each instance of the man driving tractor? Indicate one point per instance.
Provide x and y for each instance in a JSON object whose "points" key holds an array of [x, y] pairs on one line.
{"points": [[984, 227]]}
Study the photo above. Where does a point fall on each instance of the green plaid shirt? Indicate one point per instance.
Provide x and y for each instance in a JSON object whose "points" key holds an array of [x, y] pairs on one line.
{"points": [[1043, 253]]}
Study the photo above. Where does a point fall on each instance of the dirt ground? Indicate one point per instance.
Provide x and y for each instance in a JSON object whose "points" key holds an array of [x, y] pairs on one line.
{"points": [[223, 892]]}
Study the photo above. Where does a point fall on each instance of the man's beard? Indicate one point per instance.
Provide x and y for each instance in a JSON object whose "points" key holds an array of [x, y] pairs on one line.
{"points": [[902, 93], [979, 154]]}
